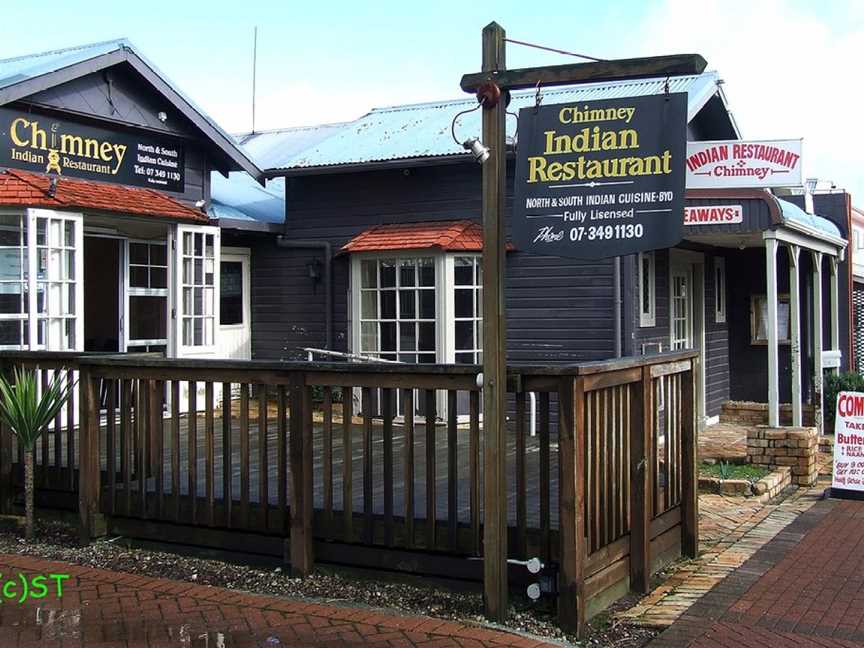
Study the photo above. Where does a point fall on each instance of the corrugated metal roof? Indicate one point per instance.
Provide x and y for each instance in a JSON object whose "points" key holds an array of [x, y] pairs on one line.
{"points": [[273, 149], [20, 68], [240, 197], [792, 212], [23, 68], [423, 130]]}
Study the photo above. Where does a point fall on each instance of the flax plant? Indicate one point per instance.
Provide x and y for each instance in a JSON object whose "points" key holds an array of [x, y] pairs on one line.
{"points": [[27, 414]]}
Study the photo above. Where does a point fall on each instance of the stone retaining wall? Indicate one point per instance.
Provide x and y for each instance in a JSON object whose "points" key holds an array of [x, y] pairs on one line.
{"points": [[793, 447], [750, 413]]}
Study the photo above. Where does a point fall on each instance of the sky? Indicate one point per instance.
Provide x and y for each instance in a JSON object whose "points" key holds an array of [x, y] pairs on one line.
{"points": [[791, 68]]}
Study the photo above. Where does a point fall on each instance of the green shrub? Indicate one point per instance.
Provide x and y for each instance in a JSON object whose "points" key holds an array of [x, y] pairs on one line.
{"points": [[834, 384]]}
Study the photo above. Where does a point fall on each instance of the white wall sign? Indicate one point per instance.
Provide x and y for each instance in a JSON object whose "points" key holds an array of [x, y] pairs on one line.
{"points": [[849, 442], [733, 163], [713, 215]]}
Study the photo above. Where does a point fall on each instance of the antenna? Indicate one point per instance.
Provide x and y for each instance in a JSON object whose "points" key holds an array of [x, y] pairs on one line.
{"points": [[254, 70]]}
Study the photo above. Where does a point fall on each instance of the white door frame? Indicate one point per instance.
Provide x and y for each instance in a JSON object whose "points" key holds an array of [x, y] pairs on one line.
{"points": [[694, 265], [244, 257]]}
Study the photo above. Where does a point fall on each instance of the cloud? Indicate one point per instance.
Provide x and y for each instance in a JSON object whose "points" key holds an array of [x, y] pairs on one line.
{"points": [[790, 72]]}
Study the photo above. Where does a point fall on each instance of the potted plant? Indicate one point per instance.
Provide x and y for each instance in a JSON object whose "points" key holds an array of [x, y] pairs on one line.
{"points": [[28, 414]]}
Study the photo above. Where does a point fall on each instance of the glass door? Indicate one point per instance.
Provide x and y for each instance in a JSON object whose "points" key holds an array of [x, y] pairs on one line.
{"points": [[146, 302], [196, 260], [681, 308]]}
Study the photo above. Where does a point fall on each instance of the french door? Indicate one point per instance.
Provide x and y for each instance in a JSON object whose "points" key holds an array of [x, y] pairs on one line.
{"points": [[196, 290], [681, 307]]}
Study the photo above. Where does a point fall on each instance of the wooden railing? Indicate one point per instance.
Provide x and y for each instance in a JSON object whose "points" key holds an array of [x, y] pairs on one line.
{"points": [[380, 465]]}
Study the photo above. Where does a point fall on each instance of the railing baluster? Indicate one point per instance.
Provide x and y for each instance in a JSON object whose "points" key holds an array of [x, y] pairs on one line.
{"points": [[70, 432], [545, 479], [347, 465], [328, 461], [227, 455], [641, 478], [452, 470], [110, 432], [408, 456], [57, 472], [209, 452], [282, 461], [192, 459], [141, 425], [431, 476], [244, 455], [158, 434], [263, 467], [474, 451], [175, 450], [368, 531], [521, 483], [126, 443], [387, 407]]}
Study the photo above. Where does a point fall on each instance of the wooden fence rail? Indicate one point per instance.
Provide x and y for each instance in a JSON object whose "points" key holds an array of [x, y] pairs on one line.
{"points": [[378, 465]]}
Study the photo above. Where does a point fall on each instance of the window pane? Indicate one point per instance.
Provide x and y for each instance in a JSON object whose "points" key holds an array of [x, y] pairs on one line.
{"points": [[187, 331], [464, 335], [427, 336], [388, 336], [388, 273], [69, 263], [369, 304], [463, 271], [148, 318], [407, 305], [407, 274], [464, 302], [465, 358], [10, 332], [407, 336], [138, 277], [10, 263], [138, 254], [159, 255], [10, 230], [646, 287], [426, 270], [369, 274], [427, 304], [410, 358], [198, 301], [198, 331], [231, 293], [368, 337], [11, 298], [69, 234], [158, 277], [388, 304]]}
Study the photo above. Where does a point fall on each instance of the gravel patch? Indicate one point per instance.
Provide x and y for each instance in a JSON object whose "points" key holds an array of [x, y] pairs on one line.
{"points": [[58, 541]]}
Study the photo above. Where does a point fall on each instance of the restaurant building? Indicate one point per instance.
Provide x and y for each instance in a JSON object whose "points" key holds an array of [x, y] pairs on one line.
{"points": [[398, 203], [107, 242]]}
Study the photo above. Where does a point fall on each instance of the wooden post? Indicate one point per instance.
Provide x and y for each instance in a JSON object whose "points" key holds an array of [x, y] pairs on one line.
{"points": [[689, 476], [494, 342], [88, 459], [301, 556], [571, 503], [641, 481], [795, 332], [818, 344], [771, 298], [834, 310]]}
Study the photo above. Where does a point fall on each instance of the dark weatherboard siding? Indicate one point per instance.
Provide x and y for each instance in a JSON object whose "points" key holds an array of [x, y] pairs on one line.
{"points": [[559, 310], [716, 342], [123, 98]]}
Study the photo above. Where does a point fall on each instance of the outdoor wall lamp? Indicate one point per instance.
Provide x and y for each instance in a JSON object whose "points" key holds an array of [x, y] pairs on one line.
{"points": [[479, 150], [313, 271]]}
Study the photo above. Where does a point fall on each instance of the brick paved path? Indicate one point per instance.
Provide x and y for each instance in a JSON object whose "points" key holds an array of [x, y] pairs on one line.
{"points": [[101, 608], [803, 588]]}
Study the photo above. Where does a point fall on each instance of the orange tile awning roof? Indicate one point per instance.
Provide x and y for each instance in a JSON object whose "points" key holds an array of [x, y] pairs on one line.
{"points": [[22, 188], [449, 236]]}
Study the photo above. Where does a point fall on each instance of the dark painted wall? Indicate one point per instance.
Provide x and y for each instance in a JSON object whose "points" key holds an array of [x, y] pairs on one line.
{"points": [[559, 310], [123, 98]]}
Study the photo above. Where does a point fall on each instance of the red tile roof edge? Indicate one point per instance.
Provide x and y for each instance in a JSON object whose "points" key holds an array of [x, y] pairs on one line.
{"points": [[32, 189], [449, 236]]}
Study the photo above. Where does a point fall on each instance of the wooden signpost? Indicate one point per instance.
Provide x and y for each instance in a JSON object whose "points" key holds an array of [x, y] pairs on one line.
{"points": [[492, 85]]}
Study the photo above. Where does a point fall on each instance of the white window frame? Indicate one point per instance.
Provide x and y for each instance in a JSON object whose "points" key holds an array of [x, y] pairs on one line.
{"points": [[129, 292], [648, 318], [720, 297], [178, 348], [55, 313]]}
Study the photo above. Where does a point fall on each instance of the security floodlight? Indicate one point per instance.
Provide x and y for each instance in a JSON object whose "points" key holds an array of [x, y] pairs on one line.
{"points": [[477, 148]]}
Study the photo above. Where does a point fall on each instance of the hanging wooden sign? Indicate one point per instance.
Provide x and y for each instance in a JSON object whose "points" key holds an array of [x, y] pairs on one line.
{"points": [[601, 178]]}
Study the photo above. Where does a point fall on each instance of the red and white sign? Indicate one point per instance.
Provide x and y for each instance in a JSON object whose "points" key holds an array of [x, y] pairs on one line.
{"points": [[733, 163], [714, 215], [849, 442]]}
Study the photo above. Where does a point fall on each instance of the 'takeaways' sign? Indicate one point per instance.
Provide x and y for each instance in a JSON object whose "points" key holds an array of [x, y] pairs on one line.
{"points": [[714, 215], [601, 178], [48, 145], [849, 442], [770, 163]]}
